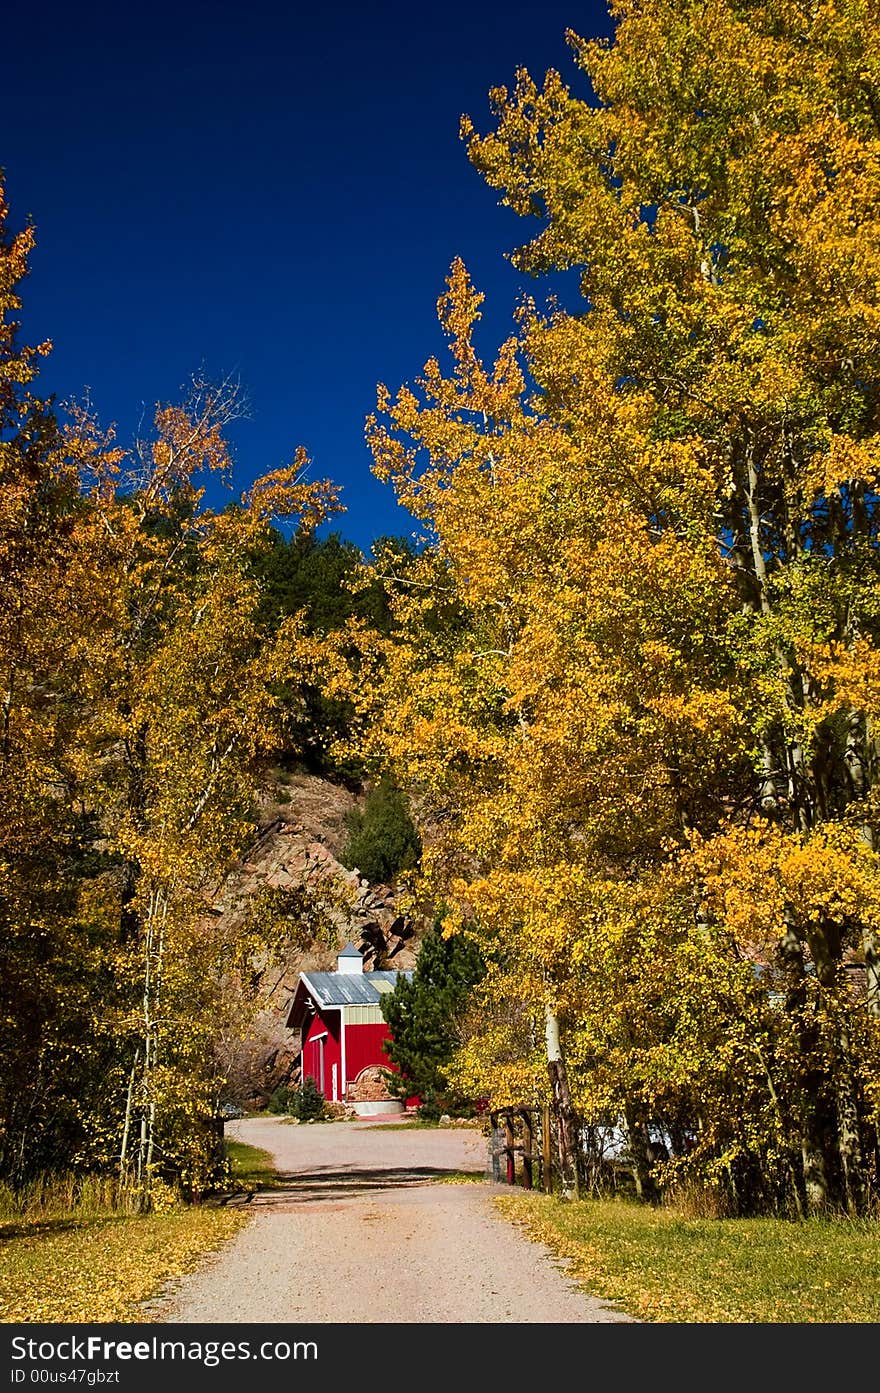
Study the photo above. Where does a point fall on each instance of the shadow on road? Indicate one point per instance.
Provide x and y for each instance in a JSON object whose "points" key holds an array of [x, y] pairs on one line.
{"points": [[301, 1187]]}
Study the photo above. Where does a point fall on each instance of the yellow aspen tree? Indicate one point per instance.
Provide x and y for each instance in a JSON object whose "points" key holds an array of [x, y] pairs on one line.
{"points": [[45, 971], [555, 676], [183, 691], [649, 609], [142, 685]]}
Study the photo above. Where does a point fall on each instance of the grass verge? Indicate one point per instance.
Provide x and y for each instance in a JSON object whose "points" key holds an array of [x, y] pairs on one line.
{"points": [[63, 1259], [657, 1265], [412, 1124], [75, 1269], [252, 1169], [416, 1123]]}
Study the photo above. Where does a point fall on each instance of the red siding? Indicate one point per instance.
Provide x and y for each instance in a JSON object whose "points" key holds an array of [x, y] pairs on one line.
{"points": [[332, 1051], [363, 1047]]}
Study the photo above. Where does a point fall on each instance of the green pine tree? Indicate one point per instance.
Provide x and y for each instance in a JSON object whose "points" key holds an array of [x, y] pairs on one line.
{"points": [[422, 1012]]}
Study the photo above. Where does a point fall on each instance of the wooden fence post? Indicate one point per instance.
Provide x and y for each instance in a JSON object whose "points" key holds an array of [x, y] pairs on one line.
{"points": [[511, 1154], [528, 1146], [493, 1145], [547, 1150]]}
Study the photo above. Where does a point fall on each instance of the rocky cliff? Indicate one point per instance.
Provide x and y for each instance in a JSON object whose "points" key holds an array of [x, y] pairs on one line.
{"points": [[302, 832]]}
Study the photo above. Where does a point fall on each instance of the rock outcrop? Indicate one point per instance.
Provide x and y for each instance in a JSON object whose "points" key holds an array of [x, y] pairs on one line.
{"points": [[296, 856]]}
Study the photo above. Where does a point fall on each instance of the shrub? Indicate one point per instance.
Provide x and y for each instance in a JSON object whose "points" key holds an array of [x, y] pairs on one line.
{"points": [[429, 1110], [382, 839], [308, 1102], [282, 1100]]}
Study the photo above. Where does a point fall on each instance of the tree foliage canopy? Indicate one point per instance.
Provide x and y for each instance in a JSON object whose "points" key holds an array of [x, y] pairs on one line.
{"points": [[631, 680], [141, 687], [637, 677]]}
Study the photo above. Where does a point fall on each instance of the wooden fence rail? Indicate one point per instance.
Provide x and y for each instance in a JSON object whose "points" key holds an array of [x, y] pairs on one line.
{"points": [[522, 1133]]}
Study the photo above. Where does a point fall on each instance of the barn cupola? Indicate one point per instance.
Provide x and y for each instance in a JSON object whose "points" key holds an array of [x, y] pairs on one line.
{"points": [[350, 960]]}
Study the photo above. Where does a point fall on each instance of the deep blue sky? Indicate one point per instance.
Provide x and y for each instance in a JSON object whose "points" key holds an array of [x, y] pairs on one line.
{"points": [[275, 190]]}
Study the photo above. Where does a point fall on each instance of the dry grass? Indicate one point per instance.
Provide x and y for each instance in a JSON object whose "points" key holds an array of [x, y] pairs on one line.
{"points": [[65, 1196], [72, 1250], [77, 1269]]}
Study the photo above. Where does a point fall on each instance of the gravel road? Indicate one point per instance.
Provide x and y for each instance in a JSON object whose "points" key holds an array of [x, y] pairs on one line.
{"points": [[364, 1232]]}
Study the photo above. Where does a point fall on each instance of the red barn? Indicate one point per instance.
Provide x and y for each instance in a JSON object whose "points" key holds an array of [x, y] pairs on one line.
{"points": [[342, 1030]]}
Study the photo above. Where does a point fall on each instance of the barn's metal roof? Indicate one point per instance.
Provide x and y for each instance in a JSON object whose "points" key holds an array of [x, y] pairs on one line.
{"points": [[350, 989]]}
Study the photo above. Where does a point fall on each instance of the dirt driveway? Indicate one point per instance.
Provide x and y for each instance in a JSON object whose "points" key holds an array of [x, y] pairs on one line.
{"points": [[366, 1231]]}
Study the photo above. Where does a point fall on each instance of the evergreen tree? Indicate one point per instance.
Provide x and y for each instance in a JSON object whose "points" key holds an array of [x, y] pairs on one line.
{"points": [[323, 580], [319, 578], [382, 838], [422, 1012]]}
